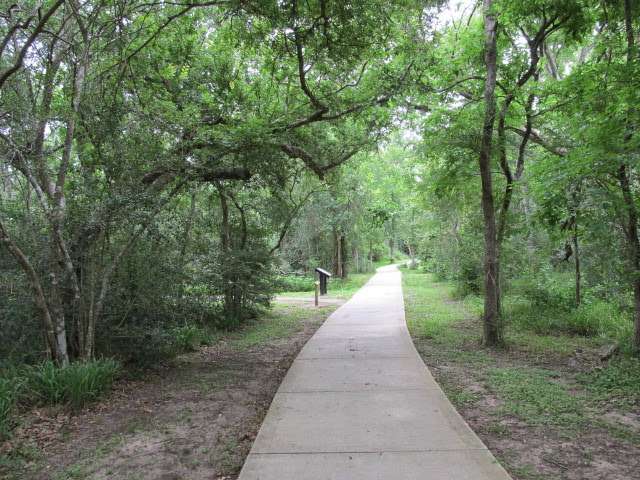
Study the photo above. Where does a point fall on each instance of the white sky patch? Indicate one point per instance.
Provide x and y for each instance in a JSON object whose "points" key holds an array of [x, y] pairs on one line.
{"points": [[452, 11]]}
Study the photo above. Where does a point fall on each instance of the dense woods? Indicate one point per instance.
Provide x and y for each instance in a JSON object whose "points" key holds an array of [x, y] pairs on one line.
{"points": [[168, 167]]}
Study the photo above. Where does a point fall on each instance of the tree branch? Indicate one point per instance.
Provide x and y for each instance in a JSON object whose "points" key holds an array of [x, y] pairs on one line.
{"points": [[32, 38]]}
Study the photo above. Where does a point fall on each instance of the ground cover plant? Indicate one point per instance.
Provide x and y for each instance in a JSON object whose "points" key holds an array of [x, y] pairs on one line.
{"points": [[547, 405]]}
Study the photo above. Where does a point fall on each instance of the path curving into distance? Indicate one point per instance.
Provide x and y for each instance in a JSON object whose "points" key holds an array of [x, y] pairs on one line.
{"points": [[358, 403]]}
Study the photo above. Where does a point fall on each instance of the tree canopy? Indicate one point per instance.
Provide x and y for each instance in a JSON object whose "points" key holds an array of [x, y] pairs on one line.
{"points": [[186, 156]]}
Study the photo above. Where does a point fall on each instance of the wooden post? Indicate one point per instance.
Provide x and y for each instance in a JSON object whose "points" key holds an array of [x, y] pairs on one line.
{"points": [[317, 292]]}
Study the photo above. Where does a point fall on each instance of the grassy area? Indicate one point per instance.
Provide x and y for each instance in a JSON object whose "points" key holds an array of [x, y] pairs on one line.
{"points": [[337, 287], [546, 404], [279, 323]]}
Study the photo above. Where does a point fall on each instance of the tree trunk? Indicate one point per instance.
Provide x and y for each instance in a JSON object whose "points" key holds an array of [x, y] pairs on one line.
{"points": [[392, 240], [576, 253], [338, 253], [187, 228], [56, 306], [633, 245], [356, 258], [343, 257], [624, 179], [492, 335], [58, 353], [231, 301], [506, 170]]}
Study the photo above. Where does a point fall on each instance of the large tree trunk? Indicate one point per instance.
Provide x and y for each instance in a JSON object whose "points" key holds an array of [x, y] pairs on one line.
{"points": [[231, 301], [187, 228], [492, 334], [343, 257], [338, 262], [624, 179], [576, 258], [392, 238], [633, 245], [574, 225]]}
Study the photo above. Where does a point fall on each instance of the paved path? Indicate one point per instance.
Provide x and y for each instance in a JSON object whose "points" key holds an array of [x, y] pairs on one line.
{"points": [[359, 404]]}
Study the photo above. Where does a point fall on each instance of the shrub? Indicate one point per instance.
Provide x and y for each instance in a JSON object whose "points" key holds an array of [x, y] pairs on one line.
{"points": [[142, 346], [469, 279], [295, 283], [548, 291], [75, 385], [595, 318], [9, 390], [188, 338], [244, 281]]}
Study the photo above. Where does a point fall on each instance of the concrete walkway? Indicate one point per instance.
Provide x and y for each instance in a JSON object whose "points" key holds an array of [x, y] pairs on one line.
{"points": [[359, 404]]}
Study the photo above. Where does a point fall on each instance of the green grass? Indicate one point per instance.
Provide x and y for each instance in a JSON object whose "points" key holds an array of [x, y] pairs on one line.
{"points": [[521, 381], [618, 383], [535, 397], [10, 387], [280, 322], [86, 465], [429, 312], [337, 287], [19, 461], [459, 396], [295, 283], [400, 258]]}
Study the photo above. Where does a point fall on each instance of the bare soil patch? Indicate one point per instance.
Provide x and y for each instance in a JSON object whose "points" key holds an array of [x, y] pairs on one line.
{"points": [[308, 302], [193, 419]]}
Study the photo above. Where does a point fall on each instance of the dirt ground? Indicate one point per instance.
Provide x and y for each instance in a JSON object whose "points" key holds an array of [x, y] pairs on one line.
{"points": [[194, 419], [607, 447]]}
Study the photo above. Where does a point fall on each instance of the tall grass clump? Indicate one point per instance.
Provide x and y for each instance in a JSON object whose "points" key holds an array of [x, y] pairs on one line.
{"points": [[596, 318], [188, 338], [9, 392], [74, 385]]}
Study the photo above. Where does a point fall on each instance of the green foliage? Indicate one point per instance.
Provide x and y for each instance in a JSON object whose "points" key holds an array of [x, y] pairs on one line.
{"points": [[535, 397], [468, 278], [429, 314], [9, 392], [74, 385], [244, 278], [346, 287], [548, 305], [139, 347], [546, 291], [619, 381], [598, 317], [295, 283], [188, 338]]}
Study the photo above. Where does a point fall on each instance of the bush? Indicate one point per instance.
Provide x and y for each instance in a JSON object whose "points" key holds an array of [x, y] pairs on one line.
{"points": [[295, 283], [593, 317], [139, 347], [244, 281], [468, 279], [549, 291], [188, 338], [596, 318], [9, 390], [74, 385]]}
